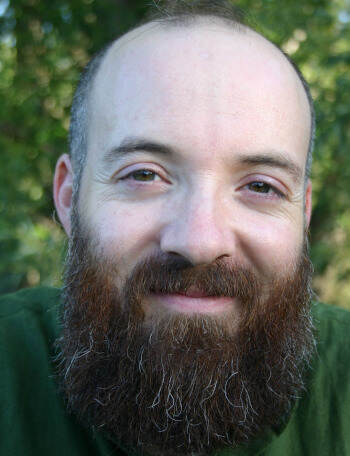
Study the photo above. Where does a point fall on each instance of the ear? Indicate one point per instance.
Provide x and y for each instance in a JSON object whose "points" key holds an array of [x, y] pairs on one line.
{"points": [[308, 204], [62, 191]]}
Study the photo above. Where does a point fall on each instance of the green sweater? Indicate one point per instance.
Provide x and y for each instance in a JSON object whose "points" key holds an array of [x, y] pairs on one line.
{"points": [[34, 421]]}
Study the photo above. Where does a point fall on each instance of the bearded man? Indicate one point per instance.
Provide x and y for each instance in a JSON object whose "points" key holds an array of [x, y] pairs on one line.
{"points": [[185, 326]]}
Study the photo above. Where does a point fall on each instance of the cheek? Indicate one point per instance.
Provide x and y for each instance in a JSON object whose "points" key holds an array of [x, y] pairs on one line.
{"points": [[274, 246], [124, 233]]}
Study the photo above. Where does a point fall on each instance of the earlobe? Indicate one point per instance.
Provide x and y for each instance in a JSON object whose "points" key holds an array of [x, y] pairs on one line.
{"points": [[62, 191], [308, 204]]}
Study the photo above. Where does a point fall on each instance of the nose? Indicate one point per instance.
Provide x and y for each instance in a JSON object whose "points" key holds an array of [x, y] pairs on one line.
{"points": [[199, 230]]}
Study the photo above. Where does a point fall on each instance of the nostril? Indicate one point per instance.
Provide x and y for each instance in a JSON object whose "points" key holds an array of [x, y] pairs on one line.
{"points": [[177, 261]]}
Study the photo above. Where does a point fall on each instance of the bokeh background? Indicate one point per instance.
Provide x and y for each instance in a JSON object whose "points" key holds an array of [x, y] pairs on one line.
{"points": [[44, 45]]}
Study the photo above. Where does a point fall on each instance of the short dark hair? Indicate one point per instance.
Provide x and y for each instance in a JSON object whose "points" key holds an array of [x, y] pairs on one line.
{"points": [[78, 127], [174, 12]]}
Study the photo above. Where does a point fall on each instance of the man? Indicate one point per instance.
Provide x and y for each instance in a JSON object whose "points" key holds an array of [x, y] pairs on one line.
{"points": [[186, 326]]}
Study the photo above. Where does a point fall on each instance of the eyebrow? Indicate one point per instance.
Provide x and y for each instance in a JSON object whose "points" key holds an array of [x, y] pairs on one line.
{"points": [[132, 144], [272, 159]]}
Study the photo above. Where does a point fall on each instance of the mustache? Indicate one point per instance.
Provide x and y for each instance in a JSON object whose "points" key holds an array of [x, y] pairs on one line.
{"points": [[173, 274]]}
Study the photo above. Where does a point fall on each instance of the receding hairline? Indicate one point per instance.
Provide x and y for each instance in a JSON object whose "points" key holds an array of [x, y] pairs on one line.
{"points": [[165, 25], [123, 42]]}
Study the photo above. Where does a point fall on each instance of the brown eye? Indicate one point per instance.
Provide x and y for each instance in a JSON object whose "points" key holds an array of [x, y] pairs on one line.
{"points": [[259, 187], [265, 189], [142, 175]]}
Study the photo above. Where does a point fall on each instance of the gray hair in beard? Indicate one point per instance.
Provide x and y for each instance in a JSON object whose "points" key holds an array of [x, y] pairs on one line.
{"points": [[181, 385]]}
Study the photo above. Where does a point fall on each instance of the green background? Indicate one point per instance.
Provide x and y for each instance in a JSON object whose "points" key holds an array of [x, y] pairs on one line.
{"points": [[44, 45]]}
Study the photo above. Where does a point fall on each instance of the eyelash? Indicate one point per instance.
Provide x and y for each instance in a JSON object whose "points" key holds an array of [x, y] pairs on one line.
{"points": [[128, 176], [277, 193]]}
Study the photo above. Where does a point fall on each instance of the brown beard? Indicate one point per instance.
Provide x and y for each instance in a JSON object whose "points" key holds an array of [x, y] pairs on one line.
{"points": [[181, 384]]}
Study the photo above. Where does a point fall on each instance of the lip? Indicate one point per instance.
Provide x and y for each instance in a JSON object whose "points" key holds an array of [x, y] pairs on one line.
{"points": [[193, 302], [193, 292]]}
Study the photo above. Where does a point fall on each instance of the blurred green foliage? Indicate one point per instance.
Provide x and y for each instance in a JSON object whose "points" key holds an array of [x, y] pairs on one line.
{"points": [[43, 48]]}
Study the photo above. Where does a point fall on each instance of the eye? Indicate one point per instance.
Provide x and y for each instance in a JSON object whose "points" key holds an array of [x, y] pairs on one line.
{"points": [[264, 188], [141, 175]]}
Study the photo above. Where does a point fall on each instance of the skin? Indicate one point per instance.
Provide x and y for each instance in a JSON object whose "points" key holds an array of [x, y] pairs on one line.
{"points": [[228, 105]]}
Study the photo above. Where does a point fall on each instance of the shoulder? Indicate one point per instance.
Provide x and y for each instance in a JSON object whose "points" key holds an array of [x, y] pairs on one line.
{"points": [[332, 360], [35, 300], [323, 414], [325, 313], [321, 418], [332, 326], [28, 310]]}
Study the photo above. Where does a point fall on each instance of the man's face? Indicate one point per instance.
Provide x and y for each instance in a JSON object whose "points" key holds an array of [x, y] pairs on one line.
{"points": [[188, 265], [219, 124]]}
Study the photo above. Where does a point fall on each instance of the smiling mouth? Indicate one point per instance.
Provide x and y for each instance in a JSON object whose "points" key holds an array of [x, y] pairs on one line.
{"points": [[193, 301], [193, 292]]}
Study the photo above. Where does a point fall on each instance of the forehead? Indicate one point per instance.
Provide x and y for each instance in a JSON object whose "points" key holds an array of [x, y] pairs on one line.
{"points": [[204, 81]]}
